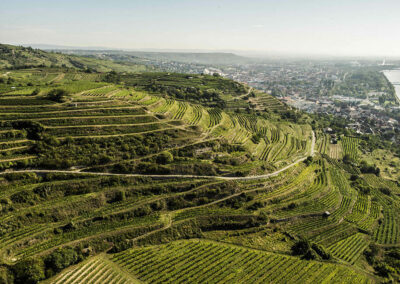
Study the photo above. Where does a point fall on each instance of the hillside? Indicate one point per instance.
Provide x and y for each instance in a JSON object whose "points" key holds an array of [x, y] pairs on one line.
{"points": [[17, 57], [163, 177]]}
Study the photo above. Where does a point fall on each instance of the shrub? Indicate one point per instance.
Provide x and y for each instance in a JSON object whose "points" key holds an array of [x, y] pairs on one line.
{"points": [[384, 270], [309, 160], [385, 190], [29, 271], [57, 95], [310, 251], [320, 250], [5, 276], [165, 158], [61, 259]]}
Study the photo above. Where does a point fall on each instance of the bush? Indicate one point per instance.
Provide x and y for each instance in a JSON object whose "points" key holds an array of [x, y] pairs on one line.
{"points": [[29, 271], [57, 95], [5, 276], [34, 129], [60, 259], [384, 270], [165, 158], [347, 159], [35, 92], [320, 250], [365, 168], [310, 251], [371, 252], [309, 160], [301, 247], [385, 190]]}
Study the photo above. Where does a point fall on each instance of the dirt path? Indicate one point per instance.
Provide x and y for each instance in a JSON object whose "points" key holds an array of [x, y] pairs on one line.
{"points": [[167, 225], [17, 159], [74, 110], [166, 219], [177, 175], [90, 117], [109, 125], [13, 149], [248, 93], [201, 140], [58, 78], [162, 176]]}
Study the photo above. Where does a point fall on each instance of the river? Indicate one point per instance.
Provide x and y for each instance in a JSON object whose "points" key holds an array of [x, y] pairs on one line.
{"points": [[394, 77]]}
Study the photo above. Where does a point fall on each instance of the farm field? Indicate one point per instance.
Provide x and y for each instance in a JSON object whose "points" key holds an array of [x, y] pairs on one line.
{"points": [[210, 262]]}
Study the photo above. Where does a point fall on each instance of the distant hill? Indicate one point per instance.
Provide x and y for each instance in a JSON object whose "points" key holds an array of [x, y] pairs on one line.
{"points": [[47, 47], [201, 58], [183, 57], [17, 57]]}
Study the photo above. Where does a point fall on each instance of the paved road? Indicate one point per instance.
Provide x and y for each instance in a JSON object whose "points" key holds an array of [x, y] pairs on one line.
{"points": [[176, 176]]}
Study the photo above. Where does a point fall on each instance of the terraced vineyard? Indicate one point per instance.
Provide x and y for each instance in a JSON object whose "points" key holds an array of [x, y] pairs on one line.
{"points": [[150, 178], [350, 147], [96, 270], [350, 248], [209, 262]]}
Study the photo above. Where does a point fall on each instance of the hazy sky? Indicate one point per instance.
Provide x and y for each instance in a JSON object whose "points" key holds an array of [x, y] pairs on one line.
{"points": [[336, 27]]}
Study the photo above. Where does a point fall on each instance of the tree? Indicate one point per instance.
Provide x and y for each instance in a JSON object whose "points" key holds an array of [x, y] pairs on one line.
{"points": [[165, 158], [33, 128], [57, 95], [29, 271], [35, 92], [309, 160], [112, 77], [61, 259], [301, 247], [309, 251], [5, 276], [347, 159], [384, 269]]}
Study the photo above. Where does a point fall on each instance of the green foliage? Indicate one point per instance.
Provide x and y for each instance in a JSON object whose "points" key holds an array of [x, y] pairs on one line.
{"points": [[57, 95], [204, 89], [310, 251], [112, 77], [384, 269], [19, 57], [360, 184], [35, 92], [34, 129], [371, 252], [29, 271], [6, 276], [165, 158], [365, 168], [308, 161], [60, 259]]}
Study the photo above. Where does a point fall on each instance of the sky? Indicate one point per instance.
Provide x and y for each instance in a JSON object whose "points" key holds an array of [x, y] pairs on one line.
{"points": [[320, 27]]}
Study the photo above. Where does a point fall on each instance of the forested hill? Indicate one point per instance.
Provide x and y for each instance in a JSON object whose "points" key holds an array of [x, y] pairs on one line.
{"points": [[17, 57]]}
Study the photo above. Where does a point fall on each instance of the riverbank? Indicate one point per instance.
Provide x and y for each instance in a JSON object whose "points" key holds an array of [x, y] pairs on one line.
{"points": [[394, 78]]}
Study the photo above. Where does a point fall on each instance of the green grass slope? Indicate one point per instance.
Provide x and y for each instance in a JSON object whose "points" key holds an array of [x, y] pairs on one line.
{"points": [[25, 57]]}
